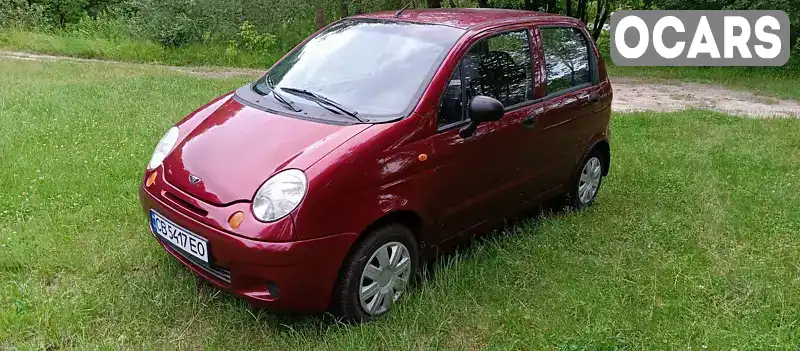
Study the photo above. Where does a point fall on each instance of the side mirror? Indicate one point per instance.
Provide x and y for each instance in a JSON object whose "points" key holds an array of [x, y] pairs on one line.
{"points": [[482, 109]]}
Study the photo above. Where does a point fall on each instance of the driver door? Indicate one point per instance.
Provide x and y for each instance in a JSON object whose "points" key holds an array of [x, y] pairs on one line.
{"points": [[482, 177]]}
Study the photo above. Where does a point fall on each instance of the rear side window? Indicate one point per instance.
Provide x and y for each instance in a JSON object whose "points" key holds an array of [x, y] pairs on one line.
{"points": [[566, 55]]}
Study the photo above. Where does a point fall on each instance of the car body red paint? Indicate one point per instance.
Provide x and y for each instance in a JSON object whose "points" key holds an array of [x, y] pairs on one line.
{"points": [[360, 174]]}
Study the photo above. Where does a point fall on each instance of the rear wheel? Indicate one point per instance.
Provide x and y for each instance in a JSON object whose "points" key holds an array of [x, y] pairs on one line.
{"points": [[587, 182], [377, 274]]}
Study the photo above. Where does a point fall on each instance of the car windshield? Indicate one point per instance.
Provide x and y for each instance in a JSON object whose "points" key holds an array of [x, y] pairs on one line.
{"points": [[375, 68]]}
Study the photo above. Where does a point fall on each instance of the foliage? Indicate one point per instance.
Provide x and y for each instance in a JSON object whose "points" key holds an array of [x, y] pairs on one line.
{"points": [[102, 26], [253, 41], [21, 13], [791, 7], [175, 23], [96, 45]]}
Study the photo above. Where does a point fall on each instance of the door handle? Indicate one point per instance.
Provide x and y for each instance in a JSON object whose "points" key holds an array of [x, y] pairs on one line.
{"points": [[594, 98], [530, 121]]}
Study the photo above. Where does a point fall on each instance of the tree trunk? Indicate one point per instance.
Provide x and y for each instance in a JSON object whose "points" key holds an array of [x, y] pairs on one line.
{"points": [[598, 26], [483, 3], [452, 4], [600, 8], [552, 6], [434, 4], [581, 14], [529, 5], [61, 20], [535, 5], [569, 8], [344, 10], [357, 9], [320, 18]]}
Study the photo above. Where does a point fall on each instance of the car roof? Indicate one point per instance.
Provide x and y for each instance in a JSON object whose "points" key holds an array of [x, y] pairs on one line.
{"points": [[462, 17]]}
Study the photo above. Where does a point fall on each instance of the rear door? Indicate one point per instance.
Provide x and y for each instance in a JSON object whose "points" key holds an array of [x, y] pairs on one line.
{"points": [[572, 96]]}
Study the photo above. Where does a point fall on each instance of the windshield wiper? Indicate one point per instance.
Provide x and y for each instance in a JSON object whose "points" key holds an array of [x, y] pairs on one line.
{"points": [[322, 101], [279, 97]]}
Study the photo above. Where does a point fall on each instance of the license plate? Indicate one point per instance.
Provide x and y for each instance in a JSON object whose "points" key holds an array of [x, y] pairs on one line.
{"points": [[181, 238]]}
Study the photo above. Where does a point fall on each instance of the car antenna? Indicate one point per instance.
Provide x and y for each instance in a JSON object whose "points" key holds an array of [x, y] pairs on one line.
{"points": [[400, 13]]}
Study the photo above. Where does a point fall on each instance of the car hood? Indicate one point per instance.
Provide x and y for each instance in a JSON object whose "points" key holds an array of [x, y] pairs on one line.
{"points": [[227, 155]]}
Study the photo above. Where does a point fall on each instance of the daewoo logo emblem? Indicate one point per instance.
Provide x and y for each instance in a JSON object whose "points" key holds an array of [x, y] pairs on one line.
{"points": [[194, 179]]}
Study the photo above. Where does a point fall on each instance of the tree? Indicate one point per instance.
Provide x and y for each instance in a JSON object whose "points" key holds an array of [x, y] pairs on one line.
{"points": [[569, 7], [434, 4], [343, 8], [581, 13], [320, 18], [357, 10], [483, 3], [600, 21], [531, 5], [599, 8], [552, 6]]}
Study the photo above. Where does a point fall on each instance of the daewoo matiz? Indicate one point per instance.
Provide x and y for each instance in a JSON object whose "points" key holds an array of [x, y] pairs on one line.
{"points": [[378, 142]]}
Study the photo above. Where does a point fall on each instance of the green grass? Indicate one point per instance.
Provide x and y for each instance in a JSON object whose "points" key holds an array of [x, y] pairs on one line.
{"points": [[123, 48], [692, 242]]}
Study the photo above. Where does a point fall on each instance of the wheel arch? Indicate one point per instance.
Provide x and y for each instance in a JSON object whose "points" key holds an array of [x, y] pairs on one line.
{"points": [[605, 149], [408, 218]]}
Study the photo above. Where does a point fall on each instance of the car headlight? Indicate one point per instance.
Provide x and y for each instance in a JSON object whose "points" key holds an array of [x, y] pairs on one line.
{"points": [[163, 147], [279, 195]]}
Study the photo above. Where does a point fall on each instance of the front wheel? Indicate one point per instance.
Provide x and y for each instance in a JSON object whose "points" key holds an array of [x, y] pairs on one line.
{"points": [[587, 183], [377, 274]]}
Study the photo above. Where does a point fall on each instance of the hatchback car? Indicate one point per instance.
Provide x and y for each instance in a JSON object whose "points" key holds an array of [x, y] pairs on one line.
{"points": [[375, 144]]}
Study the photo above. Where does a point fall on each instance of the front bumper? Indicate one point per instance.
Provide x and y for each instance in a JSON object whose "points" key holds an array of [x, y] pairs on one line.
{"points": [[296, 275]]}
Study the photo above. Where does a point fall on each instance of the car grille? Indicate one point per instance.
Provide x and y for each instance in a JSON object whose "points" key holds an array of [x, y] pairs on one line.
{"points": [[218, 272]]}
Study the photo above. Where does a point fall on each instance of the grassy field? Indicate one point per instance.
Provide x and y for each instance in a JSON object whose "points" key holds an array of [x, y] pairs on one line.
{"points": [[124, 48], [692, 242]]}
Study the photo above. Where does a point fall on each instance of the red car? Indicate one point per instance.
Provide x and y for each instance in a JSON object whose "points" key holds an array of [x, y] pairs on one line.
{"points": [[377, 143]]}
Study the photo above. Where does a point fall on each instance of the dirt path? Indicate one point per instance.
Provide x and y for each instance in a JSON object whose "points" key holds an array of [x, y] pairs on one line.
{"points": [[630, 94], [208, 72]]}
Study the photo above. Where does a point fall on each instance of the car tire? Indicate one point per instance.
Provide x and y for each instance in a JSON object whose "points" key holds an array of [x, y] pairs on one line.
{"points": [[388, 278], [585, 184]]}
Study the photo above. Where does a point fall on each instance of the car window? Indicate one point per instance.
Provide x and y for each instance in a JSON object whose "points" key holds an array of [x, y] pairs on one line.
{"points": [[451, 109], [498, 67], [566, 56], [375, 67]]}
